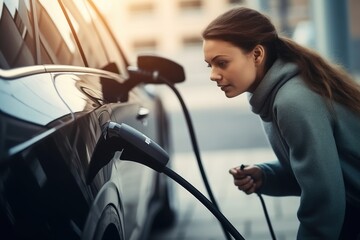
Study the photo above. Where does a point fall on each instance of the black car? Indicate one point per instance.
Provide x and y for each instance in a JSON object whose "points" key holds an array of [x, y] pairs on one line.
{"points": [[63, 77]]}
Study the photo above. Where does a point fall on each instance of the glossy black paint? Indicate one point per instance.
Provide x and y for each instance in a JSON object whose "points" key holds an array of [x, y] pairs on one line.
{"points": [[54, 102]]}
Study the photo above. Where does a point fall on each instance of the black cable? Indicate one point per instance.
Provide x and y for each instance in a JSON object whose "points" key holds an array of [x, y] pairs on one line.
{"points": [[267, 217], [212, 208], [195, 148]]}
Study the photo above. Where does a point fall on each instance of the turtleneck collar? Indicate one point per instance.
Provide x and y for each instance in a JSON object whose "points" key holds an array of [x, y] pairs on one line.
{"points": [[262, 99]]}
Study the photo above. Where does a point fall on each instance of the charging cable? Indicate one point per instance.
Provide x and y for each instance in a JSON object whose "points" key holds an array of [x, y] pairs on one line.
{"points": [[196, 149], [267, 217], [265, 211]]}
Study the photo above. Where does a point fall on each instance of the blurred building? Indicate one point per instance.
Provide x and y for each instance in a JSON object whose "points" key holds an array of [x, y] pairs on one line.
{"points": [[172, 28], [166, 27]]}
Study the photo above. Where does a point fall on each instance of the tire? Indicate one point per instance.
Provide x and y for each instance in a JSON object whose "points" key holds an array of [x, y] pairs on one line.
{"points": [[109, 226]]}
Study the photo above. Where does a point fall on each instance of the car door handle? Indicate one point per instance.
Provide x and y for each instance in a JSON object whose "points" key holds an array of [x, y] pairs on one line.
{"points": [[142, 113]]}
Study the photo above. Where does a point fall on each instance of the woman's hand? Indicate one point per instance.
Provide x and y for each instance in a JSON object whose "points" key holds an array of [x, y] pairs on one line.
{"points": [[247, 178]]}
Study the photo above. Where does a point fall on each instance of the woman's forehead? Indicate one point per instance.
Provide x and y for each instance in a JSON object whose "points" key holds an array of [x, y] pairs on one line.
{"points": [[213, 48], [214, 43]]}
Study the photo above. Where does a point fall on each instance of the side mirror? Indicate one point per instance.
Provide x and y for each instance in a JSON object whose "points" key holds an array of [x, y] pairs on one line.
{"points": [[166, 68], [153, 70]]}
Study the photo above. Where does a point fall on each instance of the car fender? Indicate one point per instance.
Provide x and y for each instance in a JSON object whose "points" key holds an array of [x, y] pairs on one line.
{"points": [[109, 195]]}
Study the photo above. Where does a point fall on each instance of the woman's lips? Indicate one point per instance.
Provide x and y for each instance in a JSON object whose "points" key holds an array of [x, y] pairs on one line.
{"points": [[224, 87]]}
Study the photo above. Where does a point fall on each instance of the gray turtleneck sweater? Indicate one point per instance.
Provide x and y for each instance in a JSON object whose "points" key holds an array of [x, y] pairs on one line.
{"points": [[318, 150]]}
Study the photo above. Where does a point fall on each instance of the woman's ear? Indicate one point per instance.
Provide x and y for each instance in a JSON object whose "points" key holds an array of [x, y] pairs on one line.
{"points": [[259, 54]]}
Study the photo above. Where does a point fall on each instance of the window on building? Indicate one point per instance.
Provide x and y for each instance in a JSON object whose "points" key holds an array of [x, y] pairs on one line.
{"points": [[236, 2], [144, 45], [141, 9], [189, 6], [191, 42]]}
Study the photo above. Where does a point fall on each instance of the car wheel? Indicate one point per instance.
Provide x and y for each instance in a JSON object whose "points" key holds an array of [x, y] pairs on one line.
{"points": [[109, 226]]}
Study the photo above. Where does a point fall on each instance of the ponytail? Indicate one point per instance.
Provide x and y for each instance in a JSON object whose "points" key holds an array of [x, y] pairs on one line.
{"points": [[329, 80]]}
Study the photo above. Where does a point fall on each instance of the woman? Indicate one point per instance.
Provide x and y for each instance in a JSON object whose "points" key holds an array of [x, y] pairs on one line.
{"points": [[310, 110]]}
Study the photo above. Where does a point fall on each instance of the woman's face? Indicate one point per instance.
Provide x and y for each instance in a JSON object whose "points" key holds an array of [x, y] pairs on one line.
{"points": [[234, 70]]}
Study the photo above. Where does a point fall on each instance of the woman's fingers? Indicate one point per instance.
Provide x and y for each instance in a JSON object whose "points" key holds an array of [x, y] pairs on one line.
{"points": [[233, 171], [237, 173], [246, 178], [244, 183], [250, 190]]}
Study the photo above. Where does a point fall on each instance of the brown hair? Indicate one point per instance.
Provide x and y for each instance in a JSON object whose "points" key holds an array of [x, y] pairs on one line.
{"points": [[246, 28]]}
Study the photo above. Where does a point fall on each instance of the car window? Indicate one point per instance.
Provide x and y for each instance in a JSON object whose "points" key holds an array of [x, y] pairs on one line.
{"points": [[87, 33], [57, 43], [111, 47], [102, 51], [17, 44]]}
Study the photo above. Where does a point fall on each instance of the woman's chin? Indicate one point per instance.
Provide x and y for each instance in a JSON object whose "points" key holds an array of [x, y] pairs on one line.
{"points": [[231, 94]]}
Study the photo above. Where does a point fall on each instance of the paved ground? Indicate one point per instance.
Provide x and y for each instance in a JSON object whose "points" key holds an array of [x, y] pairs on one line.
{"points": [[195, 222]]}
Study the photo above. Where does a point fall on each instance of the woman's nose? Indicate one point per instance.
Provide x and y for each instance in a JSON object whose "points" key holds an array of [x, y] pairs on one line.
{"points": [[214, 76]]}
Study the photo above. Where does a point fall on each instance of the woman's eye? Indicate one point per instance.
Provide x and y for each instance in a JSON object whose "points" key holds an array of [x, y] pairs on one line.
{"points": [[222, 64]]}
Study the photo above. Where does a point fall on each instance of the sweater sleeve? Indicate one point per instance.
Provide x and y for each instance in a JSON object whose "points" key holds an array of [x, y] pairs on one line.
{"points": [[274, 177], [305, 124]]}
